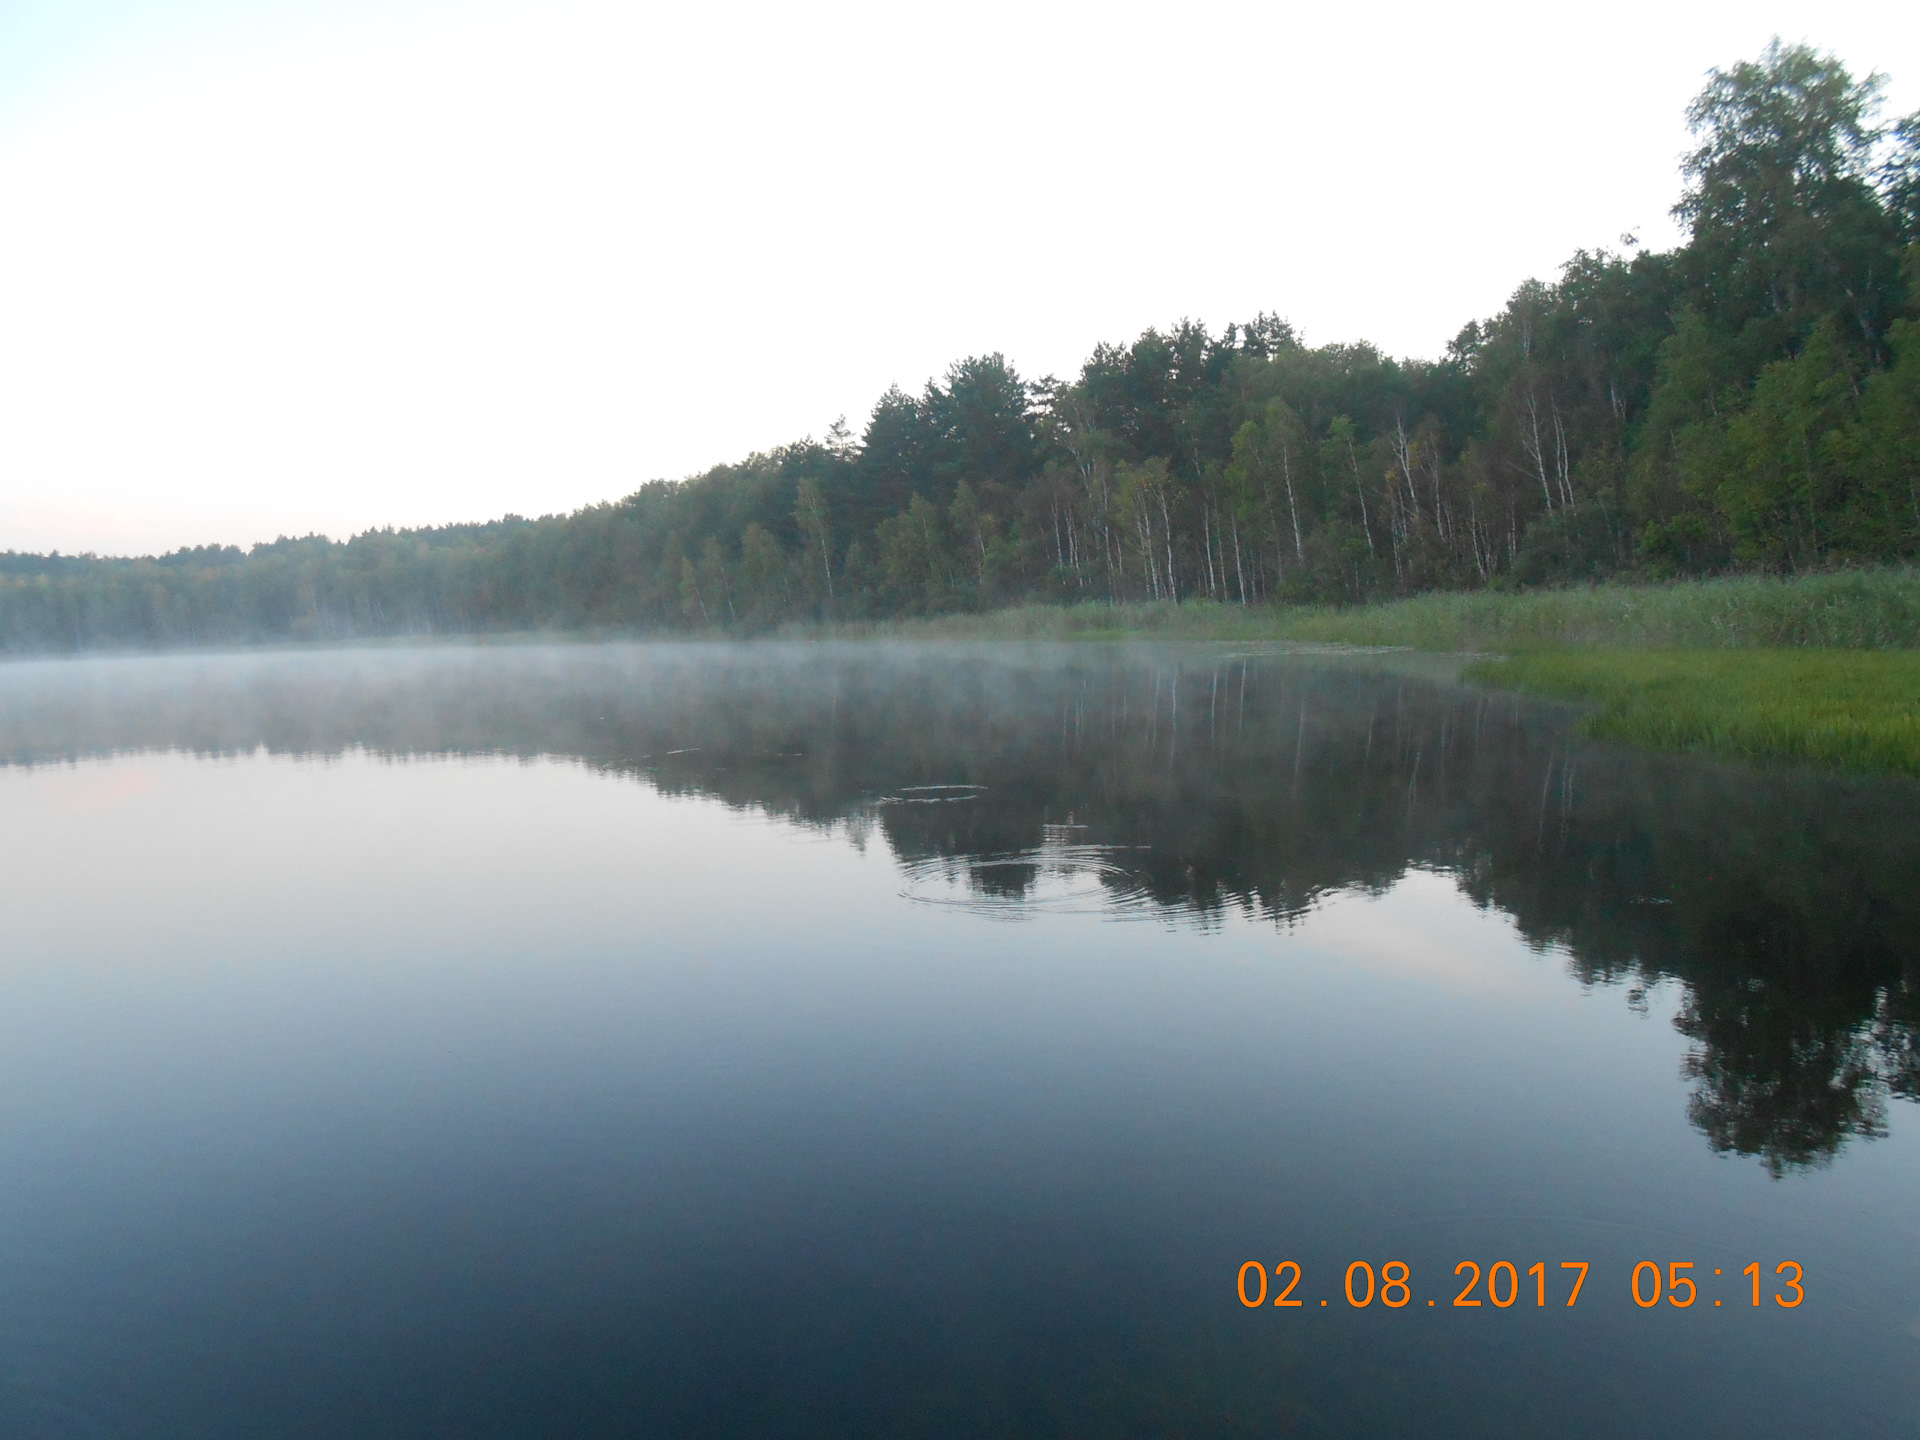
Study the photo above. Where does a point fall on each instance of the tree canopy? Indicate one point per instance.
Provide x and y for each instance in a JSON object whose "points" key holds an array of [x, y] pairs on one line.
{"points": [[1749, 400]]}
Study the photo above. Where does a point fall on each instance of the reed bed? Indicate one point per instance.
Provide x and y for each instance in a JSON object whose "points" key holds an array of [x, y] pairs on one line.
{"points": [[1844, 709], [1814, 669], [1851, 610]]}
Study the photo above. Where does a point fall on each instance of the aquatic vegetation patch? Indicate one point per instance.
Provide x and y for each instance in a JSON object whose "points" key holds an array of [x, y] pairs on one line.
{"points": [[1845, 709], [1875, 609], [1864, 609]]}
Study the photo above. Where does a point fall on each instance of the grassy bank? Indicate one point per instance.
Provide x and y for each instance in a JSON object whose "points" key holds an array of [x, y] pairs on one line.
{"points": [[1817, 669], [1134, 620], [1847, 709], [1851, 610]]}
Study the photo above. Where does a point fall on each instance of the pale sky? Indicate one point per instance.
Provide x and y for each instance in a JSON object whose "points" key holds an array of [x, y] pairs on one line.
{"points": [[277, 266]]}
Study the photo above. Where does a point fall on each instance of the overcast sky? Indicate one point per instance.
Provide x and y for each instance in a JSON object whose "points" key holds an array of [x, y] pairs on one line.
{"points": [[276, 267]]}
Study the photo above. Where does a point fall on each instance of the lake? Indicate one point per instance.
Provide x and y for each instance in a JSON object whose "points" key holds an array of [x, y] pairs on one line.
{"points": [[785, 1040]]}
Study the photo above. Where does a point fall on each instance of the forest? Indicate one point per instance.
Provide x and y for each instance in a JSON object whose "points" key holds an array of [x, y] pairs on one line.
{"points": [[1746, 402]]}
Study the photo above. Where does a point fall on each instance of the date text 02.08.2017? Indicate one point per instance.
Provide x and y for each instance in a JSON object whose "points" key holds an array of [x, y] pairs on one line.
{"points": [[1502, 1284]]}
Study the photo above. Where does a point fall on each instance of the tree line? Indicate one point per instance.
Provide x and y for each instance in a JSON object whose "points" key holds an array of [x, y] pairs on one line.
{"points": [[1747, 401]]}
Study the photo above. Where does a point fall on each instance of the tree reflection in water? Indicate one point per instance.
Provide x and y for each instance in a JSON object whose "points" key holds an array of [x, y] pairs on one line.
{"points": [[1182, 782]]}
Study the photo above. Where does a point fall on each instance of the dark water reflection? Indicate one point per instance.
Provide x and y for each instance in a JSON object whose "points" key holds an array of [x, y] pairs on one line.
{"points": [[1779, 913], [1189, 784]]}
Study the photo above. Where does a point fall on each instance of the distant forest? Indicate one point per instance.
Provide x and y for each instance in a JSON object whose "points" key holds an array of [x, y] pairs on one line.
{"points": [[1748, 401]]}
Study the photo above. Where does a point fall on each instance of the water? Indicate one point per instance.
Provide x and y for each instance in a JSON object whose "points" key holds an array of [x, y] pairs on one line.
{"points": [[655, 1041]]}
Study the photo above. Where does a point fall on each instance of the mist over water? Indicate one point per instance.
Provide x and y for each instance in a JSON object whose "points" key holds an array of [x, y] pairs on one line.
{"points": [[814, 1040]]}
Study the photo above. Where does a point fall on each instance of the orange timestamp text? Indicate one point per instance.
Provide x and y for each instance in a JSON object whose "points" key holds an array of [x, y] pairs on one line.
{"points": [[1502, 1285]]}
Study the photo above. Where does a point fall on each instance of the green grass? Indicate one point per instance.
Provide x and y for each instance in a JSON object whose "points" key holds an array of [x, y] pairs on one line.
{"points": [[1845, 709], [1815, 669], [1852, 610], [1135, 620]]}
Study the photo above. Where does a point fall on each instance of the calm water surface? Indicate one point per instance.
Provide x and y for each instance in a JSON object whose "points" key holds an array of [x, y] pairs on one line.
{"points": [[684, 1042]]}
